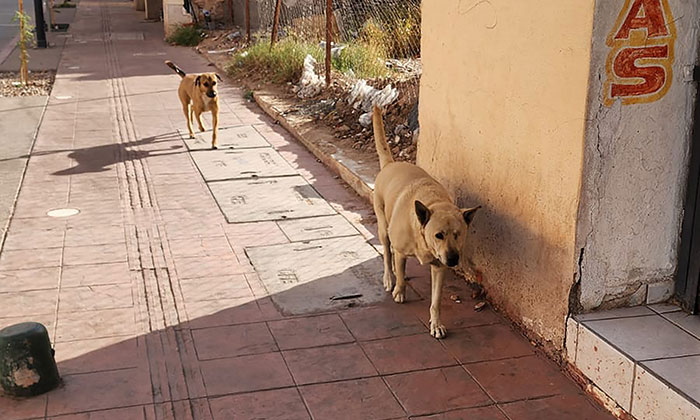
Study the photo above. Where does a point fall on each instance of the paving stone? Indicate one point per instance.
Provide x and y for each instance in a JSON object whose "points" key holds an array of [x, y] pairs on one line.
{"points": [[431, 391], [298, 284], [560, 407], [328, 363], [310, 331], [366, 399], [311, 228], [245, 373], [279, 404], [218, 165], [231, 341], [268, 199], [403, 354], [521, 378], [240, 137]]}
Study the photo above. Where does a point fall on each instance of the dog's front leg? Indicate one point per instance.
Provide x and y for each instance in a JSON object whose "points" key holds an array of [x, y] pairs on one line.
{"points": [[399, 293], [187, 109], [215, 126], [198, 115], [437, 275]]}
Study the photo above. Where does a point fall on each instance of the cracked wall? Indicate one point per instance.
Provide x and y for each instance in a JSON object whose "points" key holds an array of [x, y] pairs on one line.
{"points": [[502, 116], [635, 163]]}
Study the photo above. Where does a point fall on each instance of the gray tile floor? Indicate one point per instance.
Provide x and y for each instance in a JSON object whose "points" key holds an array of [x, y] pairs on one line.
{"points": [[661, 337]]}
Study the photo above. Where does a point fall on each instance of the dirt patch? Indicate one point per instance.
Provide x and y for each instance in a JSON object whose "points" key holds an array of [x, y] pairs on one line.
{"points": [[331, 108], [40, 83]]}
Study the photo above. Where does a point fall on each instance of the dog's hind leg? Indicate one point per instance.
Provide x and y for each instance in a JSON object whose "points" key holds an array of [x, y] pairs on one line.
{"points": [[187, 110], [399, 293], [437, 275], [383, 230]]}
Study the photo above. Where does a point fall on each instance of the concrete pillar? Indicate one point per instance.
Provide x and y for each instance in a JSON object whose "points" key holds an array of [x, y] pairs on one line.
{"points": [[174, 14]]}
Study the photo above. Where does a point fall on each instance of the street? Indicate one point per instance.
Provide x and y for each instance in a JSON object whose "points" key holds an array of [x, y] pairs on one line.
{"points": [[9, 29]]}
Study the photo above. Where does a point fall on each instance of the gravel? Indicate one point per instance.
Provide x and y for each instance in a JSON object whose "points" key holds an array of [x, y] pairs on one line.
{"points": [[40, 83]]}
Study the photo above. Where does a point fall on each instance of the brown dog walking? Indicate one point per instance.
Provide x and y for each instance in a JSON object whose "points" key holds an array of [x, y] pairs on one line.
{"points": [[198, 94], [417, 217]]}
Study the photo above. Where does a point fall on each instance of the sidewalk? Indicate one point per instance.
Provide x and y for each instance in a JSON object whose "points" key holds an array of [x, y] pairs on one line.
{"points": [[187, 288]]}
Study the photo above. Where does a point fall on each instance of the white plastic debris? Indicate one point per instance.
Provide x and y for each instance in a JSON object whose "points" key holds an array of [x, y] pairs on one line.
{"points": [[335, 48], [310, 83], [364, 97]]}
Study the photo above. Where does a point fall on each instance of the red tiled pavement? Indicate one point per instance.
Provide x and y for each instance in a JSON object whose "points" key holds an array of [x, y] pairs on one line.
{"points": [[151, 302]]}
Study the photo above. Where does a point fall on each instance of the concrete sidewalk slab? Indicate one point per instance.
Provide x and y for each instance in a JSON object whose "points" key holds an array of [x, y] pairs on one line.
{"points": [[221, 165], [319, 276], [269, 199], [19, 121], [228, 138]]}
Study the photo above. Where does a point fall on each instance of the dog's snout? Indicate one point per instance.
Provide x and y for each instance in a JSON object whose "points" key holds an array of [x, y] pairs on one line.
{"points": [[452, 259], [211, 94]]}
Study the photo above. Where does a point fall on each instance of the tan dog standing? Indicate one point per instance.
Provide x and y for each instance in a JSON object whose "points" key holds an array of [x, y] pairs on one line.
{"points": [[198, 94], [417, 217]]}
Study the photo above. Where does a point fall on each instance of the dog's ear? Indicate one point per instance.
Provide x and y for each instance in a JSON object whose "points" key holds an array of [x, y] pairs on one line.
{"points": [[198, 80], [219, 77], [468, 214], [422, 212]]}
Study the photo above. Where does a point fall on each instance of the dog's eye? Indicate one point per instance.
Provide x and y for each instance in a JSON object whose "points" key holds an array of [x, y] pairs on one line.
{"points": [[206, 84], [440, 235], [213, 83]]}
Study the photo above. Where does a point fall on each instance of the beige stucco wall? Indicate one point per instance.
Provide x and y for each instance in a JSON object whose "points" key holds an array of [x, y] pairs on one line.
{"points": [[502, 111]]}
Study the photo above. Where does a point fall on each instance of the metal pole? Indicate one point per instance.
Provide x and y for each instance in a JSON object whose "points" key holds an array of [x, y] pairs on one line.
{"points": [[329, 38], [40, 24], [247, 19], [276, 23]]}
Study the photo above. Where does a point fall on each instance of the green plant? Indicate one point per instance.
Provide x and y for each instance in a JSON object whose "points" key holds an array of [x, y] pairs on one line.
{"points": [[366, 60], [397, 34], [26, 40], [186, 35], [282, 62]]}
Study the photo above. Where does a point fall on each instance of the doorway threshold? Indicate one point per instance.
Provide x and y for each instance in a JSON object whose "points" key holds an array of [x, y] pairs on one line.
{"points": [[645, 359]]}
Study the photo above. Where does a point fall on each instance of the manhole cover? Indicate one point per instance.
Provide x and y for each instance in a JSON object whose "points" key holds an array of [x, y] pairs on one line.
{"points": [[317, 228], [218, 165], [247, 200], [305, 277], [228, 138], [62, 212]]}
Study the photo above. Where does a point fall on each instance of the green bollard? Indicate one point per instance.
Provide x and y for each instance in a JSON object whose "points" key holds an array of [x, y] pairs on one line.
{"points": [[27, 366]]}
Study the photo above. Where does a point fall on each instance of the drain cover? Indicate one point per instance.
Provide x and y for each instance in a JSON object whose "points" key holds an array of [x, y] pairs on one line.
{"points": [[217, 165], [62, 212], [228, 138], [303, 277], [247, 200], [317, 228]]}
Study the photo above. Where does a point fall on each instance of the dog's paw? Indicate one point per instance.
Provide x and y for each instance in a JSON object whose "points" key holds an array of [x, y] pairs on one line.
{"points": [[388, 286], [214, 147], [191, 135], [399, 295], [437, 330], [202, 128]]}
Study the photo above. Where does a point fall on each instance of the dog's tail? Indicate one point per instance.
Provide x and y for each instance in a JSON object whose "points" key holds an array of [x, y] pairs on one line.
{"points": [[177, 69], [383, 149]]}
